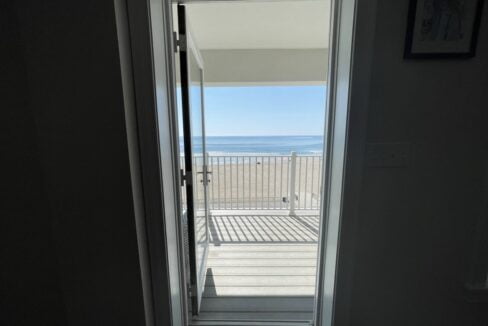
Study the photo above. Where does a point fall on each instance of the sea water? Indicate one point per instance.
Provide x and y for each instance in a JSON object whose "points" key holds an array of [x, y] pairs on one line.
{"points": [[259, 145]]}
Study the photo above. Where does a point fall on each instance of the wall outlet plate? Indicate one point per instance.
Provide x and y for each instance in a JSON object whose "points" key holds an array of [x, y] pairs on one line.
{"points": [[388, 155]]}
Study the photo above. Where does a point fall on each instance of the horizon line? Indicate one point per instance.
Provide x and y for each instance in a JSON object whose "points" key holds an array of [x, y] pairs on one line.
{"points": [[256, 135]]}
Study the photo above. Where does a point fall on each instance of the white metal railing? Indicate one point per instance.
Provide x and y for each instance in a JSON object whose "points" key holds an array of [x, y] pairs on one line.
{"points": [[244, 182]]}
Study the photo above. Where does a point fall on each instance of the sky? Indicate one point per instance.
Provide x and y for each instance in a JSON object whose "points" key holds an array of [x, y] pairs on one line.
{"points": [[264, 110]]}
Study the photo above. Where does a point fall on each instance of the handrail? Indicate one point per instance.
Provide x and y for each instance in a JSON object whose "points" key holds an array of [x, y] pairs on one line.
{"points": [[257, 182]]}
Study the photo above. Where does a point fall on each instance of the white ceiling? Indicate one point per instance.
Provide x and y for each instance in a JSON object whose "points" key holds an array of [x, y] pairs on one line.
{"points": [[300, 24]]}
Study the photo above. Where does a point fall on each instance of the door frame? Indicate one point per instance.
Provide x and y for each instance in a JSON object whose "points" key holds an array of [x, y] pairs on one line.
{"points": [[336, 146], [148, 70], [148, 85]]}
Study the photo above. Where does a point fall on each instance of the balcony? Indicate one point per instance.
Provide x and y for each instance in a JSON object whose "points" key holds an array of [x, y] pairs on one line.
{"points": [[263, 232], [261, 265]]}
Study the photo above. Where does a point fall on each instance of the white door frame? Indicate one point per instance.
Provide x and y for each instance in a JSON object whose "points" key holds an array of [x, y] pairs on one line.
{"points": [[147, 65], [337, 125], [147, 70]]}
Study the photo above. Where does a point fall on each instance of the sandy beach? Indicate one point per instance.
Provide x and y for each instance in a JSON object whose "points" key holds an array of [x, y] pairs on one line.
{"points": [[259, 182]]}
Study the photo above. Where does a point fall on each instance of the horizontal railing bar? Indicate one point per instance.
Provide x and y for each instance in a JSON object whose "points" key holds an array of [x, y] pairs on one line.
{"points": [[254, 156]]}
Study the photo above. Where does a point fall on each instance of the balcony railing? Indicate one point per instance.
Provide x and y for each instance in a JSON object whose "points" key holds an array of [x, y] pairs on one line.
{"points": [[279, 182]]}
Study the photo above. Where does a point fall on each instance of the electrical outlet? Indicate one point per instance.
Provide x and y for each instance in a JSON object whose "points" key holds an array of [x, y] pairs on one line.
{"points": [[388, 155]]}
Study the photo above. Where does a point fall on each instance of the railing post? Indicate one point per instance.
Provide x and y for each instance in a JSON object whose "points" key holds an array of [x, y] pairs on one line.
{"points": [[292, 176], [206, 192]]}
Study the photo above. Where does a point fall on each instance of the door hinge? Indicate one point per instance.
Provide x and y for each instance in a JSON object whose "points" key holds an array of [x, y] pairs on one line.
{"points": [[194, 290], [185, 177], [189, 289], [179, 42], [175, 42]]}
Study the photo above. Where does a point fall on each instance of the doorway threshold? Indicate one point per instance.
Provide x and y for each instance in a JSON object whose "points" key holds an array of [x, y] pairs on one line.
{"points": [[197, 322]]}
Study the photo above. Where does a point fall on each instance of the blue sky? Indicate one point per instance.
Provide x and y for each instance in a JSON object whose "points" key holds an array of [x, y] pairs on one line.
{"points": [[264, 110]]}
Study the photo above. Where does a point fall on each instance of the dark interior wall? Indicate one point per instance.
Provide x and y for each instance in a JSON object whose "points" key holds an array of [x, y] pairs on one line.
{"points": [[416, 224], [30, 293], [70, 255]]}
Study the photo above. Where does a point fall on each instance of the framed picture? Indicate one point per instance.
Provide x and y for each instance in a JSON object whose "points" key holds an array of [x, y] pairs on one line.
{"points": [[443, 28]]}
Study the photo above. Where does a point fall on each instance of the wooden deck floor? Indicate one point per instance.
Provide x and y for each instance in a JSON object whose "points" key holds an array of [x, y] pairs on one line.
{"points": [[261, 267]]}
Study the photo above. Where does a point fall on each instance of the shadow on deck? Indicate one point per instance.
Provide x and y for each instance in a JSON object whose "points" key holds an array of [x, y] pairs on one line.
{"points": [[261, 267], [247, 229]]}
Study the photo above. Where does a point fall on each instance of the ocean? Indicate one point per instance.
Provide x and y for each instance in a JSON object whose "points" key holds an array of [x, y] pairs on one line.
{"points": [[259, 145]]}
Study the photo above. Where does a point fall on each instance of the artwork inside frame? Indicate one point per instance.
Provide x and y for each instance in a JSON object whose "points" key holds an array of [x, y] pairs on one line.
{"points": [[443, 28]]}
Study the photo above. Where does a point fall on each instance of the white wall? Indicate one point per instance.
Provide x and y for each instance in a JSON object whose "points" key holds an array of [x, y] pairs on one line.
{"points": [[412, 234]]}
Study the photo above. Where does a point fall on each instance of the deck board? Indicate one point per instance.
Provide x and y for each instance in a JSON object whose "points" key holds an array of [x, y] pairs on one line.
{"points": [[262, 280], [258, 316], [257, 304], [215, 254], [261, 267], [261, 316], [293, 270]]}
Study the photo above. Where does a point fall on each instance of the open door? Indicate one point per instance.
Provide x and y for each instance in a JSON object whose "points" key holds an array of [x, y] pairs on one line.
{"points": [[196, 172]]}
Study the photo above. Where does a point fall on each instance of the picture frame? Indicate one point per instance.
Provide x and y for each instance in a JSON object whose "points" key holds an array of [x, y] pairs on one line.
{"points": [[442, 29]]}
